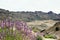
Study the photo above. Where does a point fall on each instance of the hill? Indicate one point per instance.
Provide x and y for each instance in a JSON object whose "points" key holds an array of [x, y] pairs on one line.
{"points": [[29, 15]]}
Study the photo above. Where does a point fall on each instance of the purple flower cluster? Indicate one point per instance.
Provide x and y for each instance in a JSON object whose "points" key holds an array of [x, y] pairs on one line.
{"points": [[20, 26], [5, 23]]}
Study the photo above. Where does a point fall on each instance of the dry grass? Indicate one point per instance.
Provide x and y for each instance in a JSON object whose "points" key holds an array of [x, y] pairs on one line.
{"points": [[49, 23]]}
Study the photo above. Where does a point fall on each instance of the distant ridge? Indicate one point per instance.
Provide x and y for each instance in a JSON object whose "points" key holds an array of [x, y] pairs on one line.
{"points": [[29, 15]]}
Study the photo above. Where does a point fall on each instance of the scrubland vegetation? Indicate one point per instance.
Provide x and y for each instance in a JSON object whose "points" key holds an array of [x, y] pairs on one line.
{"points": [[36, 25]]}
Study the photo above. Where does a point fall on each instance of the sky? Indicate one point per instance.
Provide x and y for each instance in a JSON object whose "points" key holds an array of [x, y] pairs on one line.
{"points": [[31, 5]]}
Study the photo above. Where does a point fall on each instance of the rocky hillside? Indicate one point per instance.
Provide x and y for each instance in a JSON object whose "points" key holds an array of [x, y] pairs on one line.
{"points": [[28, 15]]}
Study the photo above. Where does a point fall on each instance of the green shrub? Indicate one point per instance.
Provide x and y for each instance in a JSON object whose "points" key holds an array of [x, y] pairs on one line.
{"points": [[50, 36], [39, 38]]}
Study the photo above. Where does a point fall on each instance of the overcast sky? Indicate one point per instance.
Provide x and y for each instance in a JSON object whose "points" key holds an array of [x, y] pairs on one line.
{"points": [[31, 5]]}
